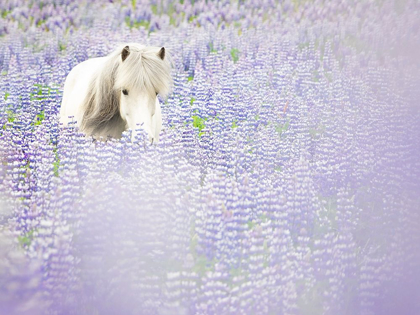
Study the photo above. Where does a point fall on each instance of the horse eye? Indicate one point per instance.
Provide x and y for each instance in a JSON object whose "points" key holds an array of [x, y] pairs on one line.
{"points": [[125, 92], [157, 93]]}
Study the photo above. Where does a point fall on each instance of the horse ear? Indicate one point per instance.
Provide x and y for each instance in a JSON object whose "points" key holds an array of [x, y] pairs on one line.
{"points": [[161, 53], [125, 52]]}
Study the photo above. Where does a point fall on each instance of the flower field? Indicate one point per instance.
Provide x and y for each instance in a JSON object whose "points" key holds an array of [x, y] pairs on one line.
{"points": [[286, 179]]}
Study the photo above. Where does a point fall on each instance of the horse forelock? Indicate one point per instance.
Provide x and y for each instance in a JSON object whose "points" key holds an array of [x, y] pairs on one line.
{"points": [[144, 70]]}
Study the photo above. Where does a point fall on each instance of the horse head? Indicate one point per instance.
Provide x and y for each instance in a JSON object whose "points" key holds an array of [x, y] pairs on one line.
{"points": [[143, 73]]}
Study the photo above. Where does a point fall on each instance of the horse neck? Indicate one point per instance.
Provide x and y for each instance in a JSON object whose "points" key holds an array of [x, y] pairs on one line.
{"points": [[102, 102]]}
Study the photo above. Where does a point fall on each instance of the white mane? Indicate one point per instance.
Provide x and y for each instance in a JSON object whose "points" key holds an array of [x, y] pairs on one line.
{"points": [[142, 69]]}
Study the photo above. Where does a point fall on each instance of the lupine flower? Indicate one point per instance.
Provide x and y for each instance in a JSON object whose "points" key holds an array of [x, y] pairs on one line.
{"points": [[285, 180]]}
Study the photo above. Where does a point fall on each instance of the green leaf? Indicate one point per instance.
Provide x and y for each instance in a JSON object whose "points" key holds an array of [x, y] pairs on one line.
{"points": [[56, 163], [202, 264], [234, 52], [251, 225], [39, 118], [62, 46], [26, 239], [280, 128], [198, 122], [10, 116], [5, 13], [212, 47], [154, 8]]}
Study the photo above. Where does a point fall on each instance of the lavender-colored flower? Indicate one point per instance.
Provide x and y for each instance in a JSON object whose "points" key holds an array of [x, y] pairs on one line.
{"points": [[285, 180]]}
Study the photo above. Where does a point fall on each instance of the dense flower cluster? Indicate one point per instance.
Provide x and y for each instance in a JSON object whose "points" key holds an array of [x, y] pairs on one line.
{"points": [[285, 180]]}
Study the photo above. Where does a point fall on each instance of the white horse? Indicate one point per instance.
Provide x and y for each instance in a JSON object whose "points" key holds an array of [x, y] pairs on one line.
{"points": [[105, 96]]}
